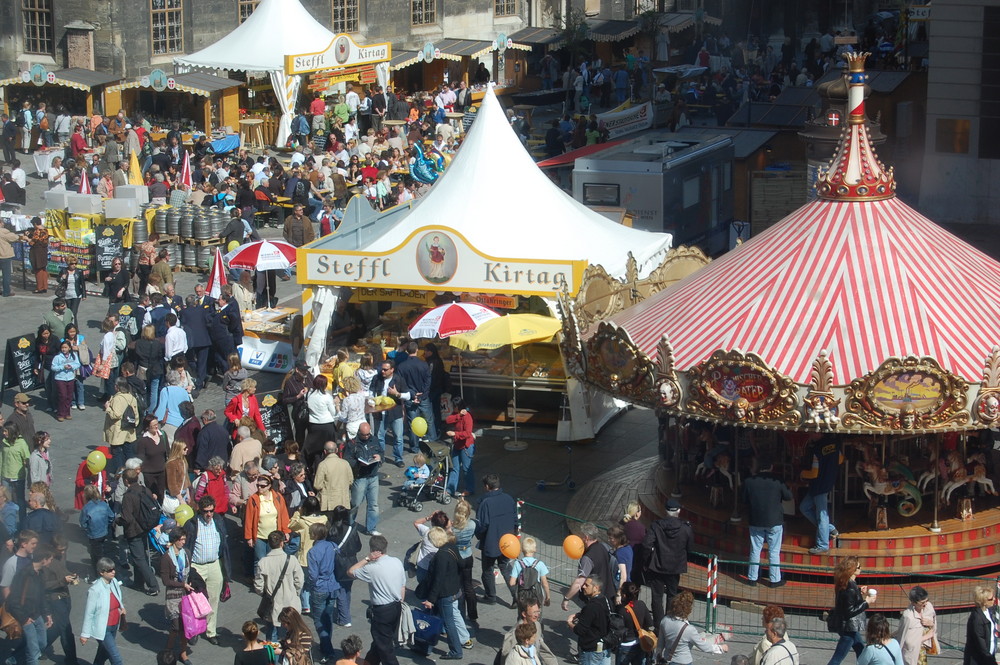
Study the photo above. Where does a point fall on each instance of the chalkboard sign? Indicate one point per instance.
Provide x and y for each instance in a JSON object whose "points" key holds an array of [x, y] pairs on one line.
{"points": [[109, 244], [277, 425], [19, 364]]}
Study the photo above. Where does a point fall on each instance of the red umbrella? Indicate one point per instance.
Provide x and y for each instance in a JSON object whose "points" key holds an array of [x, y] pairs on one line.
{"points": [[262, 255], [185, 178], [451, 319], [85, 183]]}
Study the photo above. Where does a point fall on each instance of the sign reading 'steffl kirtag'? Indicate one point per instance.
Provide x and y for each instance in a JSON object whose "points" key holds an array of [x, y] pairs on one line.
{"points": [[342, 52], [438, 258]]}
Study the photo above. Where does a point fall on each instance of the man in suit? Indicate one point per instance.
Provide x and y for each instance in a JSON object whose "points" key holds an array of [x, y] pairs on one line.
{"points": [[229, 312], [171, 299], [417, 374], [201, 298], [195, 319], [388, 383]]}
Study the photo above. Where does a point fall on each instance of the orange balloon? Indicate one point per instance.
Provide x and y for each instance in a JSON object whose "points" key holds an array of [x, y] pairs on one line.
{"points": [[510, 546], [573, 546]]}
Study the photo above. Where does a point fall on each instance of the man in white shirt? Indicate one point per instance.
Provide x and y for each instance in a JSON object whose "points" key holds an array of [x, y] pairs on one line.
{"points": [[350, 129], [176, 339], [782, 651], [18, 175], [352, 100], [257, 168], [221, 171]]}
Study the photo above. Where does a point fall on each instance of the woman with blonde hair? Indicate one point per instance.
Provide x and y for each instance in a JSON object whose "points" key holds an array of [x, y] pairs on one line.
{"points": [[352, 407], [464, 528], [178, 481], [980, 630], [232, 380], [849, 607], [244, 405]]}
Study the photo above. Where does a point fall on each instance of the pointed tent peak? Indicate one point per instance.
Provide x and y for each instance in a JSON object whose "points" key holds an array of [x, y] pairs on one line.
{"points": [[855, 173]]}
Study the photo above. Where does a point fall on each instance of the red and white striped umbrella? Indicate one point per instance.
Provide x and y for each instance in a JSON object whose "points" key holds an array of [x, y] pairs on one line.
{"points": [[85, 183], [451, 319], [185, 177], [217, 276], [262, 255]]}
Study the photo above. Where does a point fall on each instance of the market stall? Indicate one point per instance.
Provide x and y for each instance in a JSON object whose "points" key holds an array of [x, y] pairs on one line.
{"points": [[856, 324], [201, 102], [529, 243], [80, 91]]}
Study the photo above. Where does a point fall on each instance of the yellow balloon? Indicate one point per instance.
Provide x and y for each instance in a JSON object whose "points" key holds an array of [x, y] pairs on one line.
{"points": [[96, 461], [510, 546], [232, 245], [418, 426], [183, 513]]}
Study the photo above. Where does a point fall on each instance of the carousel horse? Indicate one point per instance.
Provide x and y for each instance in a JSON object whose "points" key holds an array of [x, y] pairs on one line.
{"points": [[938, 469], [879, 486], [422, 169], [973, 471]]}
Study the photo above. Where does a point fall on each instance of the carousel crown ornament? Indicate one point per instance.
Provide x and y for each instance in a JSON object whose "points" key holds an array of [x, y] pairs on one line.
{"points": [[856, 173], [988, 403], [666, 379], [822, 406]]}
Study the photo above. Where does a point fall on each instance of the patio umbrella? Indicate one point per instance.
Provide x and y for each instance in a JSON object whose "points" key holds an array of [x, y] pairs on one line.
{"points": [[134, 172], [262, 255], [512, 330], [452, 319], [217, 276]]}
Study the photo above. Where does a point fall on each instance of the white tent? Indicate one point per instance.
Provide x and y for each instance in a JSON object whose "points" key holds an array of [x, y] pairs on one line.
{"points": [[276, 28], [504, 204]]}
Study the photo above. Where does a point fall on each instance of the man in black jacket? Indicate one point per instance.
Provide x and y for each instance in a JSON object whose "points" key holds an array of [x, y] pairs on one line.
{"points": [[135, 536], [28, 604], [195, 319], [592, 623], [445, 583], [763, 493], [208, 548], [293, 396], [213, 441], [596, 560], [668, 541]]}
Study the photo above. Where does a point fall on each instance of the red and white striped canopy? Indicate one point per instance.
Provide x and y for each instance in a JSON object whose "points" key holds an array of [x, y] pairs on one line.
{"points": [[865, 280]]}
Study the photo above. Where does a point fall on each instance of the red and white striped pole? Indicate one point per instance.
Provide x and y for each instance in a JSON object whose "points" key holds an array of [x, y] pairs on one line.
{"points": [[711, 592]]}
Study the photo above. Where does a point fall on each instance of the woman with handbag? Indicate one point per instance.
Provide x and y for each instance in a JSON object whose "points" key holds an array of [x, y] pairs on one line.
{"points": [[849, 608], [152, 450], [71, 287], [677, 637], [117, 282], [980, 630], [64, 367], [882, 649], [265, 513], [639, 640], [244, 405], [463, 447], [296, 647], [175, 566], [118, 434], [178, 481], [254, 651], [149, 356], [323, 417], [104, 614], [78, 344], [38, 241], [113, 345], [917, 632]]}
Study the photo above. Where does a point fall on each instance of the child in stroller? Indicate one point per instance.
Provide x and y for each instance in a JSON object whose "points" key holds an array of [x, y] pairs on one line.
{"points": [[431, 486]]}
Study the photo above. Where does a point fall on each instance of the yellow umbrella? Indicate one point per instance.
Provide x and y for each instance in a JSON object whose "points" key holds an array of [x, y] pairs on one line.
{"points": [[134, 172], [512, 330]]}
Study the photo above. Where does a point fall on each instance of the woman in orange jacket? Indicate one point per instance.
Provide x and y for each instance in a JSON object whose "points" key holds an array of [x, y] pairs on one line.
{"points": [[265, 512]]}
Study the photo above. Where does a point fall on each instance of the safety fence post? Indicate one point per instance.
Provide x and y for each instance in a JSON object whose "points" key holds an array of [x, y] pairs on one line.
{"points": [[711, 593]]}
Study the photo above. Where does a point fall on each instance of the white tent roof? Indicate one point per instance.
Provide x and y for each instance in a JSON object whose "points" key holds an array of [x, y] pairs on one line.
{"points": [[275, 29], [498, 198]]}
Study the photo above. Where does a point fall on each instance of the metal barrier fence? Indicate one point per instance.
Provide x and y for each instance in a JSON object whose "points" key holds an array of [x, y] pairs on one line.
{"points": [[710, 578]]}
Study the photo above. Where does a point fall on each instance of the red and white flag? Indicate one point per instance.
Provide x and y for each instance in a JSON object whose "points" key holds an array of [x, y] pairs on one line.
{"points": [[85, 183], [185, 178]]}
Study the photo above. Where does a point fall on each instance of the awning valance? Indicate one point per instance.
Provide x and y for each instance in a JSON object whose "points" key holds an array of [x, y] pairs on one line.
{"points": [[401, 59], [537, 36], [196, 83], [612, 31], [76, 78]]}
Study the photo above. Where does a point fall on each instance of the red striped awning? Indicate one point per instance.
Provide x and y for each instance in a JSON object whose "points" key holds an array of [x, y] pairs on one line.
{"points": [[864, 280]]}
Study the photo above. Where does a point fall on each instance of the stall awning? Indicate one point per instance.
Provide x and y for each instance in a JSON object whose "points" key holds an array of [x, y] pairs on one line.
{"points": [[197, 83], [882, 82], [537, 36], [455, 49], [765, 114], [79, 79], [612, 31], [568, 158], [401, 59]]}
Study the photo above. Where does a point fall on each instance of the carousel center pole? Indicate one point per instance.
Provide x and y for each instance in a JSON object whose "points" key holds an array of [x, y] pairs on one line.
{"points": [[514, 444], [680, 440], [936, 527], [735, 517]]}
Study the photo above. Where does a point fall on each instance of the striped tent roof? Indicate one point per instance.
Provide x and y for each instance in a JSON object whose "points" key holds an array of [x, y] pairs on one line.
{"points": [[858, 273]]}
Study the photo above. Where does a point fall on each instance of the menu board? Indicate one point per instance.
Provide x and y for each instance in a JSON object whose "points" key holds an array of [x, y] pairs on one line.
{"points": [[277, 424], [19, 364], [109, 244]]}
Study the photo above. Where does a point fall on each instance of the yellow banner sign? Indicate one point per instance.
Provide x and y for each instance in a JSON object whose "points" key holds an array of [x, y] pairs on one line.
{"points": [[494, 301], [342, 52]]}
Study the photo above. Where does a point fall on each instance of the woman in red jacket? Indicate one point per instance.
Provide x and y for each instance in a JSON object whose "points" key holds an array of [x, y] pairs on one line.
{"points": [[463, 446], [244, 405]]}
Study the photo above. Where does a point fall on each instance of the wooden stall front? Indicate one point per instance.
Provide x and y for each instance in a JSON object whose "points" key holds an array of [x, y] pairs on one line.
{"points": [[81, 91], [209, 101]]}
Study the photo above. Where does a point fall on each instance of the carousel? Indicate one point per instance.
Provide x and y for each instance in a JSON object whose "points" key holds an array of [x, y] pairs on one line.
{"points": [[856, 320]]}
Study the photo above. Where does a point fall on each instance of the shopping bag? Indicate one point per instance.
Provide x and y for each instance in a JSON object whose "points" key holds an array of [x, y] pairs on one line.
{"points": [[200, 604], [102, 367], [193, 625]]}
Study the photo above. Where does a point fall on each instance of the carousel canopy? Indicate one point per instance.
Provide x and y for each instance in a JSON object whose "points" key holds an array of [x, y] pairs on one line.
{"points": [[495, 195], [857, 273], [276, 28]]}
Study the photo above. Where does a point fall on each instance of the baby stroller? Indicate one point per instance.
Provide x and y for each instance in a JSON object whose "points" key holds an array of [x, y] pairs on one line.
{"points": [[435, 487]]}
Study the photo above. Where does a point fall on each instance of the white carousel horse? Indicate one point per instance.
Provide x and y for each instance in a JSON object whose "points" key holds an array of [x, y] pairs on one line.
{"points": [[973, 471]]}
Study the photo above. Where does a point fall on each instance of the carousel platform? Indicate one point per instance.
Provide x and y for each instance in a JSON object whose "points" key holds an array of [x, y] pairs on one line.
{"points": [[948, 564]]}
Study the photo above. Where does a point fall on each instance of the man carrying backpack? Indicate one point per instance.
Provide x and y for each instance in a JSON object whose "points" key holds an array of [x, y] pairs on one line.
{"points": [[139, 514], [592, 624]]}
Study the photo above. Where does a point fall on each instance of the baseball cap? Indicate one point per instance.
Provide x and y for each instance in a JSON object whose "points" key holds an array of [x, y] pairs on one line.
{"points": [[302, 365], [21, 397], [673, 505]]}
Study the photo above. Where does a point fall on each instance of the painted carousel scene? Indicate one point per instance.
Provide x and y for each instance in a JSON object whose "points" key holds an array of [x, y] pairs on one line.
{"points": [[849, 353]]}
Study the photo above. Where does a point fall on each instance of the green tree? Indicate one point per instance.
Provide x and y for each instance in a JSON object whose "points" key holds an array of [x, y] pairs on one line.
{"points": [[573, 34], [650, 22]]}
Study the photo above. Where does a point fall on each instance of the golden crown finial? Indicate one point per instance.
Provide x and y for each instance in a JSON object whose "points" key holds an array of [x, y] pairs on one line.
{"points": [[855, 61]]}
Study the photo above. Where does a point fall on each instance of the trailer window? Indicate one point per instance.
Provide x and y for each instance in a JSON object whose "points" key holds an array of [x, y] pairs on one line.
{"points": [[691, 187], [602, 195]]}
